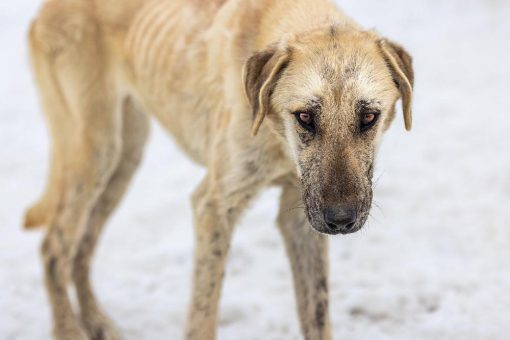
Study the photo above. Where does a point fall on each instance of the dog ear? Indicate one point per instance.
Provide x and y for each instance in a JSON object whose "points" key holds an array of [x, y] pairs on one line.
{"points": [[260, 74], [401, 67]]}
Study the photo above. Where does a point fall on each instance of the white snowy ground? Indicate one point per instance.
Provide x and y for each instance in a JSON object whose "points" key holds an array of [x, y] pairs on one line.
{"points": [[434, 263]]}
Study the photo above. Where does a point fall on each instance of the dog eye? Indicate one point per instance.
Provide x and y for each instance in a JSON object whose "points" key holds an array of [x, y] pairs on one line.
{"points": [[368, 119], [306, 120]]}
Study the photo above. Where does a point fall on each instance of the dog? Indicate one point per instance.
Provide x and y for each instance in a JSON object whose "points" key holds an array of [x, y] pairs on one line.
{"points": [[288, 93]]}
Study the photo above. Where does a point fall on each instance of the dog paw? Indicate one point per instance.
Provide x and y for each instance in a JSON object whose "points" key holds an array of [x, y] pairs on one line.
{"points": [[69, 331], [100, 327]]}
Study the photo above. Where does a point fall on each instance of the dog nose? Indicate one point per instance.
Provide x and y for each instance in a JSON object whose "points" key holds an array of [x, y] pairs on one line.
{"points": [[340, 220]]}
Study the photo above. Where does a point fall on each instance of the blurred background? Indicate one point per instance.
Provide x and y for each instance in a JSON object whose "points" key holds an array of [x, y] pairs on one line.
{"points": [[433, 262]]}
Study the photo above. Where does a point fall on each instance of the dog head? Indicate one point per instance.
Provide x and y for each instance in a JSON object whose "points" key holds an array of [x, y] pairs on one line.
{"points": [[330, 95]]}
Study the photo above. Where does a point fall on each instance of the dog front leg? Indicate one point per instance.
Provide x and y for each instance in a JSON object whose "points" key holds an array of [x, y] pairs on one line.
{"points": [[215, 214], [307, 251]]}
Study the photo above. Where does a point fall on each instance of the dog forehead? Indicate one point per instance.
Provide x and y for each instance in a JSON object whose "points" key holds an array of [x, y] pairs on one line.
{"points": [[340, 74]]}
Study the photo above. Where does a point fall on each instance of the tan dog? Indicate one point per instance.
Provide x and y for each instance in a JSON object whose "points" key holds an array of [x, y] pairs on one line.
{"points": [[289, 92]]}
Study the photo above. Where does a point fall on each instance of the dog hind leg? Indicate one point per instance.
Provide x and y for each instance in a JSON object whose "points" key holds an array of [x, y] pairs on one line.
{"points": [[134, 135], [86, 175], [83, 112]]}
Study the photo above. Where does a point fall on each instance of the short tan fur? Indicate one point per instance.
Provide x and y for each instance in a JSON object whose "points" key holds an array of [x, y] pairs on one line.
{"points": [[290, 93]]}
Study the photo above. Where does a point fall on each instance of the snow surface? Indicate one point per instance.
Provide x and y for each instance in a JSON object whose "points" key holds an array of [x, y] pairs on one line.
{"points": [[433, 263]]}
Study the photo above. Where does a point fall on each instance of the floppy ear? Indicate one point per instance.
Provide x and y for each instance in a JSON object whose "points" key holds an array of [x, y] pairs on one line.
{"points": [[260, 75], [401, 67]]}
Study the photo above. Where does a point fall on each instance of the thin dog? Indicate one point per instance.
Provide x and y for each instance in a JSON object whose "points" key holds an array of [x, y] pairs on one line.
{"points": [[290, 93]]}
